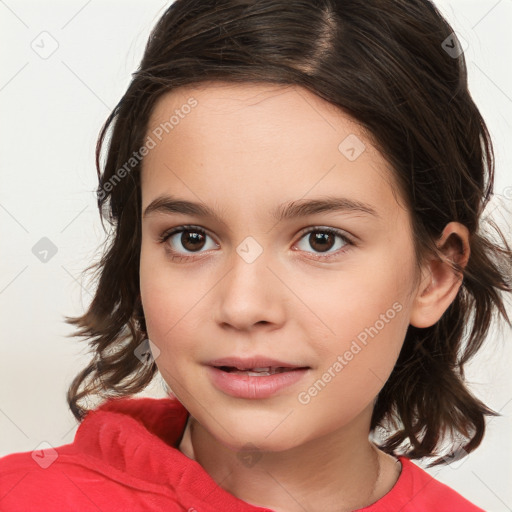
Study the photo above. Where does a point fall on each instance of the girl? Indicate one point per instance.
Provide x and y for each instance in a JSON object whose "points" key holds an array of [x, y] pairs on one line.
{"points": [[295, 190]]}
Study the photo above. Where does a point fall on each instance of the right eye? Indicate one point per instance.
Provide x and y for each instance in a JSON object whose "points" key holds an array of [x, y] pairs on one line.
{"points": [[191, 238]]}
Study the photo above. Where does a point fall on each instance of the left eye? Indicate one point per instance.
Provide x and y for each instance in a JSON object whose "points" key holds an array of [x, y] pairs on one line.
{"points": [[324, 239], [193, 239]]}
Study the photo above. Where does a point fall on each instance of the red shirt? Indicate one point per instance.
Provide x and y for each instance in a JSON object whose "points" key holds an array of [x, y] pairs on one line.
{"points": [[124, 458]]}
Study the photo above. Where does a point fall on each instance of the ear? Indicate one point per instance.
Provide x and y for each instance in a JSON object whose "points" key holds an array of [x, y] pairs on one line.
{"points": [[440, 283]]}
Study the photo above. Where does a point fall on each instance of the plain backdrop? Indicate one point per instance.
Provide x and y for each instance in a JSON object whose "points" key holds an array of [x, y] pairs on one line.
{"points": [[64, 65]]}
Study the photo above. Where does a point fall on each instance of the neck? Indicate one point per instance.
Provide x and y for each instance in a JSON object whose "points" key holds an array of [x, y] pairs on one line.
{"points": [[341, 471]]}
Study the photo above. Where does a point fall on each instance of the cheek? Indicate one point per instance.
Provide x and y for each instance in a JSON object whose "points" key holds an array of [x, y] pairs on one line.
{"points": [[369, 292], [355, 363], [168, 300], [364, 321]]}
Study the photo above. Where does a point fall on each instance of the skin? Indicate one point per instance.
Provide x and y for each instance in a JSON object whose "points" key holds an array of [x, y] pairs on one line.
{"points": [[244, 150]]}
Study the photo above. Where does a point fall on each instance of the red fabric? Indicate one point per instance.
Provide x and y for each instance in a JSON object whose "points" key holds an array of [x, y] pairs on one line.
{"points": [[124, 458]]}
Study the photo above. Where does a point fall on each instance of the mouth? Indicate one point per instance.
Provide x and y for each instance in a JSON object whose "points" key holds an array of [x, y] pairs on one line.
{"points": [[259, 372], [254, 377], [257, 365]]}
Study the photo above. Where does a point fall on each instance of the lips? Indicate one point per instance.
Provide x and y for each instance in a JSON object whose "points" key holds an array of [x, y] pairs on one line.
{"points": [[255, 377]]}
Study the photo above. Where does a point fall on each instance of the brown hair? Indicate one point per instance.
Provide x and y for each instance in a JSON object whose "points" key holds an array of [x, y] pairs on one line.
{"points": [[385, 63]]}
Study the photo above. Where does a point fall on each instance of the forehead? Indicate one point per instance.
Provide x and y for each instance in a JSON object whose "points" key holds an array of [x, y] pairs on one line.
{"points": [[265, 143], [255, 108]]}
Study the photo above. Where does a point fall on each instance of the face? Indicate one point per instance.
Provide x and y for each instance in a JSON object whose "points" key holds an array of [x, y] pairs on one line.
{"points": [[252, 280]]}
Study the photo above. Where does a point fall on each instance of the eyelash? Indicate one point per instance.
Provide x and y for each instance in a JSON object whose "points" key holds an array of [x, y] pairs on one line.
{"points": [[188, 227]]}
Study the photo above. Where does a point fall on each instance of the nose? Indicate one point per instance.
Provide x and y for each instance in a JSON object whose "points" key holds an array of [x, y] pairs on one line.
{"points": [[251, 294]]}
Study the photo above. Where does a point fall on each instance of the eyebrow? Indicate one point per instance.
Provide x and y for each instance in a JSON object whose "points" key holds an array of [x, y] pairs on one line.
{"points": [[291, 210]]}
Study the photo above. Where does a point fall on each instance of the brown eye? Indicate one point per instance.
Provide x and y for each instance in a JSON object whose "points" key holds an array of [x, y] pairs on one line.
{"points": [[324, 240], [321, 241], [192, 240], [186, 240]]}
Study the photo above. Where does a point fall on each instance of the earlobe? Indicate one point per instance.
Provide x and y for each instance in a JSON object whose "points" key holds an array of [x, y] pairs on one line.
{"points": [[440, 282]]}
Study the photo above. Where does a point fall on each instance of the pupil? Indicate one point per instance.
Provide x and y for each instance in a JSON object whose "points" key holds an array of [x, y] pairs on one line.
{"points": [[192, 240], [321, 241]]}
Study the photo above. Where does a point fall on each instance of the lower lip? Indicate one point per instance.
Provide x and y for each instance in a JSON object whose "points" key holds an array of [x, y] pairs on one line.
{"points": [[246, 386]]}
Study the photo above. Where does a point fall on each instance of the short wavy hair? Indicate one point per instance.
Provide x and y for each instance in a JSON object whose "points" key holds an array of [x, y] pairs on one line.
{"points": [[396, 67]]}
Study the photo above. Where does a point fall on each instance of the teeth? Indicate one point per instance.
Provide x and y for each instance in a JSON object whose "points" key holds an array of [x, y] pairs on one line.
{"points": [[259, 372], [256, 372]]}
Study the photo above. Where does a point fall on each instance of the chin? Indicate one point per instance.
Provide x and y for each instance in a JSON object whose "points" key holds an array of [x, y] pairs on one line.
{"points": [[262, 436], [259, 444]]}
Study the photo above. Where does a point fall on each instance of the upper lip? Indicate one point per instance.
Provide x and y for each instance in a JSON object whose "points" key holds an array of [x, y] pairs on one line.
{"points": [[252, 362]]}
